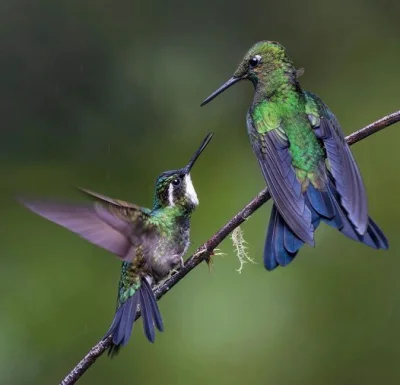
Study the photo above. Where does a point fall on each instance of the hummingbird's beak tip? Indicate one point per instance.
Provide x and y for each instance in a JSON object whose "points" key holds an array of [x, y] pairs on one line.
{"points": [[207, 99], [221, 89], [203, 145]]}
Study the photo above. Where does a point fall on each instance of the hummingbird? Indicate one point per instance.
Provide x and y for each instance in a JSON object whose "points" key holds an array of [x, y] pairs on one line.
{"points": [[308, 167], [150, 242]]}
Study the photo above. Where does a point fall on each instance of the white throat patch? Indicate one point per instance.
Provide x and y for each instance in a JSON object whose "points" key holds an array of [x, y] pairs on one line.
{"points": [[190, 191], [171, 195]]}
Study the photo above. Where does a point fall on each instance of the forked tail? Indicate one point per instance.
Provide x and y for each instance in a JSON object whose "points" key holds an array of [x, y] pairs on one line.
{"points": [[122, 325]]}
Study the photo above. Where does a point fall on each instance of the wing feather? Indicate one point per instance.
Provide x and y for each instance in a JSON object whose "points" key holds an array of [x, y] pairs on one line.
{"points": [[345, 171], [107, 200], [106, 231], [111, 224], [272, 151]]}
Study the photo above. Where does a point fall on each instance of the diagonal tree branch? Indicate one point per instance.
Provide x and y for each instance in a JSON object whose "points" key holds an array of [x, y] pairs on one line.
{"points": [[204, 252]]}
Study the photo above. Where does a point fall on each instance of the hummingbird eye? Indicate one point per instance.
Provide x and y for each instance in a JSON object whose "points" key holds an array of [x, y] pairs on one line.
{"points": [[176, 182], [255, 60]]}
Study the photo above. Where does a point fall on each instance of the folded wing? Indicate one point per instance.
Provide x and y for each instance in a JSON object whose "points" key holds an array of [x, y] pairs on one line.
{"points": [[272, 151], [344, 169]]}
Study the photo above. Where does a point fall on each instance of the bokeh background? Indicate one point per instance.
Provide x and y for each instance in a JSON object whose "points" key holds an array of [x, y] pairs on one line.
{"points": [[105, 94]]}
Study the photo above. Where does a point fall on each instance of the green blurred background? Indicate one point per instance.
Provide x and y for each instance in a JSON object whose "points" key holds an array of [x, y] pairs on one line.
{"points": [[105, 94]]}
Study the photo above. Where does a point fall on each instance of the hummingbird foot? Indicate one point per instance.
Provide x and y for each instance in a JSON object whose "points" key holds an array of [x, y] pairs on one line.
{"points": [[171, 273], [214, 253], [207, 253]]}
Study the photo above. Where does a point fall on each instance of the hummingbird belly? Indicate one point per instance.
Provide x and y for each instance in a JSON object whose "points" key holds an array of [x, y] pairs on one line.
{"points": [[168, 255]]}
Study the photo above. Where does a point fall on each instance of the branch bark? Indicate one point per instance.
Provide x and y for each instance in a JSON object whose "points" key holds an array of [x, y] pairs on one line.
{"points": [[204, 252]]}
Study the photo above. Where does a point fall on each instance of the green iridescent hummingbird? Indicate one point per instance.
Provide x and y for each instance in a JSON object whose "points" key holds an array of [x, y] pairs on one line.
{"points": [[308, 166], [150, 242]]}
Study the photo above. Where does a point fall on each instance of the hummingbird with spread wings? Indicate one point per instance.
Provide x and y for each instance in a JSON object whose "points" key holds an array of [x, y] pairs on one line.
{"points": [[150, 242], [308, 166]]}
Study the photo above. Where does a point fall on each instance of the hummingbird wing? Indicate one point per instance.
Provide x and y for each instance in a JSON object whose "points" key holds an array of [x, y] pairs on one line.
{"points": [[143, 231], [110, 201], [272, 151], [117, 229], [344, 169]]}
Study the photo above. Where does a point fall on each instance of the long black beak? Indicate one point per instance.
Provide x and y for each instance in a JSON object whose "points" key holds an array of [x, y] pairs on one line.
{"points": [[203, 145], [221, 89]]}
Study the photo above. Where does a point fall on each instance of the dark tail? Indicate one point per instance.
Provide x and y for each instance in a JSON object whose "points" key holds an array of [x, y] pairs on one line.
{"points": [[122, 325], [282, 245]]}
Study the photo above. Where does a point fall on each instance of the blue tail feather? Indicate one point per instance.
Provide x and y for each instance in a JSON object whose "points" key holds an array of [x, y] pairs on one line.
{"points": [[283, 255], [270, 262], [291, 241], [148, 326], [282, 245], [321, 202], [122, 325], [153, 305], [126, 322]]}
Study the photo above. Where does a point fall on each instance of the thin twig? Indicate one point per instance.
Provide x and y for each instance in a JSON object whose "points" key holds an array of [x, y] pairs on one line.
{"points": [[205, 251]]}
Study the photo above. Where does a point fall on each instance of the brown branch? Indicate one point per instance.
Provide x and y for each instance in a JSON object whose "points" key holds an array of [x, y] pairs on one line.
{"points": [[372, 128], [204, 252]]}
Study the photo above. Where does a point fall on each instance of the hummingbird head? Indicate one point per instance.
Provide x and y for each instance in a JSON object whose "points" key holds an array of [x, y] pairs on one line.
{"points": [[175, 188], [260, 65]]}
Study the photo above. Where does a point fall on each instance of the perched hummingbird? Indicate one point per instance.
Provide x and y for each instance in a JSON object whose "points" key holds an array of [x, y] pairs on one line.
{"points": [[150, 242], [306, 162]]}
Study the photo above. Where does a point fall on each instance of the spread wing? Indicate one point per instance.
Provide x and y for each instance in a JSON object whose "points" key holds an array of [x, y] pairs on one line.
{"points": [[343, 167], [272, 151], [115, 227]]}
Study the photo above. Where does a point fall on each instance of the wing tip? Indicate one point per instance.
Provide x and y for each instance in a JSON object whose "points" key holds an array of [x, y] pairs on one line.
{"points": [[24, 201]]}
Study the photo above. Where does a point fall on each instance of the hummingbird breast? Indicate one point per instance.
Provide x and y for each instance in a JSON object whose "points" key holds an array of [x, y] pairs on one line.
{"points": [[170, 249]]}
